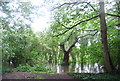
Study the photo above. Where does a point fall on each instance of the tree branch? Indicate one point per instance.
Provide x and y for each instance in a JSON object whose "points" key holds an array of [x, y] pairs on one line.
{"points": [[113, 15], [61, 33], [88, 34], [72, 46], [75, 25], [74, 4], [77, 40], [91, 6], [82, 22], [62, 47], [64, 4]]}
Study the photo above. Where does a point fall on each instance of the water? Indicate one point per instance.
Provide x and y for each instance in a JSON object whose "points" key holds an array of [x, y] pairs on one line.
{"points": [[76, 67]]}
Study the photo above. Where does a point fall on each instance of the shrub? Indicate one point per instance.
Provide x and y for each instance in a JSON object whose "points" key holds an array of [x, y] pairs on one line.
{"points": [[35, 68], [6, 69], [24, 68]]}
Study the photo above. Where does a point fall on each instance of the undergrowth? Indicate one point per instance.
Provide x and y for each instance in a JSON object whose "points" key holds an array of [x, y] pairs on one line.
{"points": [[35, 69], [93, 76]]}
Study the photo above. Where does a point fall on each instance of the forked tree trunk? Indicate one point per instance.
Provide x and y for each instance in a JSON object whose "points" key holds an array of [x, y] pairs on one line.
{"points": [[108, 62], [66, 53]]}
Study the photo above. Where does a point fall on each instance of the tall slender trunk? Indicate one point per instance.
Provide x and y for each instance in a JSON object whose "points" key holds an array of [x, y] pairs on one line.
{"points": [[82, 65], [118, 8], [108, 62]]}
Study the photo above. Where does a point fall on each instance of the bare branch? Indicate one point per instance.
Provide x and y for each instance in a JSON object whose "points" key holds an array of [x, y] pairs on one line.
{"points": [[113, 15]]}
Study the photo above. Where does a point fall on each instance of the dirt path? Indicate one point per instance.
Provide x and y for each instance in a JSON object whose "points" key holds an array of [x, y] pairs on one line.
{"points": [[27, 75]]}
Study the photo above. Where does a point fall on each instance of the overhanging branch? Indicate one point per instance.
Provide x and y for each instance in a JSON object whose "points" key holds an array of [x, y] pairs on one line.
{"points": [[61, 33], [64, 4], [113, 15], [75, 25], [74, 4], [82, 22]]}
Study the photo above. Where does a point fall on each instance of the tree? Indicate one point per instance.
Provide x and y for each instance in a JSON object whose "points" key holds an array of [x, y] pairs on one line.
{"points": [[108, 61], [68, 24], [15, 30], [67, 52]]}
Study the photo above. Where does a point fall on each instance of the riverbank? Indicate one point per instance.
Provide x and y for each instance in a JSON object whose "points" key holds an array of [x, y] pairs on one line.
{"points": [[80, 76], [30, 75], [96, 76]]}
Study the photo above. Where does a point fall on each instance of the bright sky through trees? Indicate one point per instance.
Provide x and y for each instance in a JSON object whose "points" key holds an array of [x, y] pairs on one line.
{"points": [[42, 21]]}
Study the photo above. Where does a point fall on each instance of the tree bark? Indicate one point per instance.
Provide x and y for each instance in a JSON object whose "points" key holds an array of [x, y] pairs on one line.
{"points": [[107, 58], [66, 58], [66, 53], [118, 8]]}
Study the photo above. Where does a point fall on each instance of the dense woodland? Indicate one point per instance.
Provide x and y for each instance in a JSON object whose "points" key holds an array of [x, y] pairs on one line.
{"points": [[80, 31]]}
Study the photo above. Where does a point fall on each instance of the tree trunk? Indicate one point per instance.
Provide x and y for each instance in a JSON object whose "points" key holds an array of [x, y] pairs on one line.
{"points": [[118, 8], [82, 65], [66, 53], [66, 58], [108, 62]]}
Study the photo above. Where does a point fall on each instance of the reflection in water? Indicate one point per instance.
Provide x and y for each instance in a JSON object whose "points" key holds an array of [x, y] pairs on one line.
{"points": [[76, 67]]}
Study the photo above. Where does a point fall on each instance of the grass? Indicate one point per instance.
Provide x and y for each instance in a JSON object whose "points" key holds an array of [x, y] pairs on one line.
{"points": [[99, 76]]}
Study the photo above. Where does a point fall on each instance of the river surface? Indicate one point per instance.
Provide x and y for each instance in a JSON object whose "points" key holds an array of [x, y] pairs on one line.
{"points": [[76, 67]]}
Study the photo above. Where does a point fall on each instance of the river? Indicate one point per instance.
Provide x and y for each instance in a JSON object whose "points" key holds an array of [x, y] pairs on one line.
{"points": [[76, 67]]}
